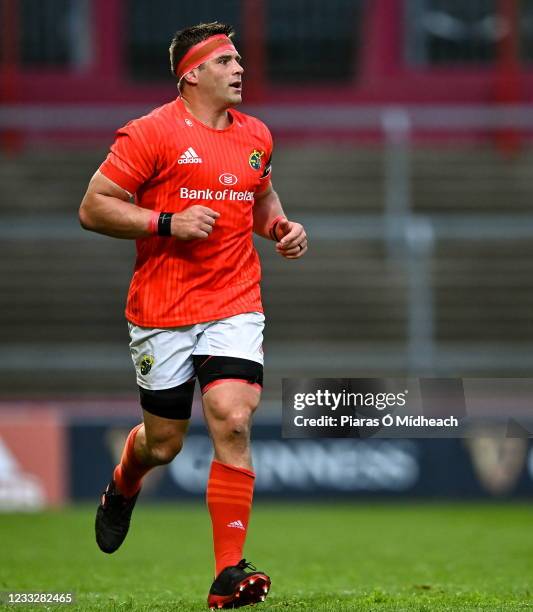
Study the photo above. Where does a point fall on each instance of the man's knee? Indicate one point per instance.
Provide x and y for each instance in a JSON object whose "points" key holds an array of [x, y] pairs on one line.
{"points": [[235, 413], [163, 451], [238, 422], [231, 423]]}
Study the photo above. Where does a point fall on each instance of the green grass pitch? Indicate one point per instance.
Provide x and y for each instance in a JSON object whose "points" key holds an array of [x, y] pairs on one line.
{"points": [[334, 557]]}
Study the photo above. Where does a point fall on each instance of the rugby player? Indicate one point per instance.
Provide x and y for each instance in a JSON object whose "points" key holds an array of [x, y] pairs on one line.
{"points": [[190, 182]]}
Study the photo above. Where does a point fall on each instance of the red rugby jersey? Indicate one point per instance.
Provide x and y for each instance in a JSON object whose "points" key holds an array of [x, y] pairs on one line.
{"points": [[171, 161]]}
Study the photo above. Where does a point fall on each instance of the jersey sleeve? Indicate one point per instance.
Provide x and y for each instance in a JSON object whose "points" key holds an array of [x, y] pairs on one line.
{"points": [[131, 160], [265, 178]]}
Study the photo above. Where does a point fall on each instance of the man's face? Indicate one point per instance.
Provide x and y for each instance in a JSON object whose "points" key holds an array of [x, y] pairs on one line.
{"points": [[221, 78]]}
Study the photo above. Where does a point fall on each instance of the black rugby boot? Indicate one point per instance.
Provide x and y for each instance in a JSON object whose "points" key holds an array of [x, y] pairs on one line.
{"points": [[234, 587], [113, 518]]}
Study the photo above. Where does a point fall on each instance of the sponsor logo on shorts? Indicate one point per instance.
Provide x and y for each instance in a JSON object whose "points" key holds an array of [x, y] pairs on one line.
{"points": [[147, 361], [255, 159]]}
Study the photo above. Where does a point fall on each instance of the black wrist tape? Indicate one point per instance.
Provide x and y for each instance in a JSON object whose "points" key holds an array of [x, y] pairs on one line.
{"points": [[273, 232], [163, 224]]}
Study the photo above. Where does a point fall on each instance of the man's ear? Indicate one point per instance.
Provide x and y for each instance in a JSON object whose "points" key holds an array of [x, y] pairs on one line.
{"points": [[191, 77]]}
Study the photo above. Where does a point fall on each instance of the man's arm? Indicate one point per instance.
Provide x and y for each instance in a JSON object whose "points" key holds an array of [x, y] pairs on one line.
{"points": [[106, 209], [270, 222]]}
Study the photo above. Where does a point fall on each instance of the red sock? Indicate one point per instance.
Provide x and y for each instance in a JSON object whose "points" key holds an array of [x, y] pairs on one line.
{"points": [[129, 472], [230, 490]]}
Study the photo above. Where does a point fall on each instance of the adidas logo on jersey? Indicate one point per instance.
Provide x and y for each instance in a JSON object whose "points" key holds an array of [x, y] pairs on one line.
{"points": [[190, 157], [236, 524]]}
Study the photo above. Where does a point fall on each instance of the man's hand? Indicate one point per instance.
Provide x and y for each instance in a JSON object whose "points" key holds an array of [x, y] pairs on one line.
{"points": [[293, 244], [193, 223]]}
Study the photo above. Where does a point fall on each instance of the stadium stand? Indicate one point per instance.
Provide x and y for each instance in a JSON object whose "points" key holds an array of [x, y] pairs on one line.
{"points": [[348, 313]]}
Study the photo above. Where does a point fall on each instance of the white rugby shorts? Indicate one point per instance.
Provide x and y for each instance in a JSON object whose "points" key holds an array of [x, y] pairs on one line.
{"points": [[163, 357]]}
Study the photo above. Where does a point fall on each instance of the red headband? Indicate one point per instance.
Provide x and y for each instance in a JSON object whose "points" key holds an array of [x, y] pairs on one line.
{"points": [[202, 52]]}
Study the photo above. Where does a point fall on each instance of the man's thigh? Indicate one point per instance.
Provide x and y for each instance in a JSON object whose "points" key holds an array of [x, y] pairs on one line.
{"points": [[231, 349], [165, 372], [240, 336], [168, 360], [163, 357], [159, 429]]}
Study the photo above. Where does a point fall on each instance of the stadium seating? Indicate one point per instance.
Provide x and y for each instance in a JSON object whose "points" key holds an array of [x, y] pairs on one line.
{"points": [[341, 311]]}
